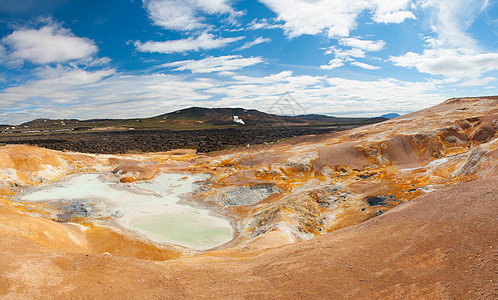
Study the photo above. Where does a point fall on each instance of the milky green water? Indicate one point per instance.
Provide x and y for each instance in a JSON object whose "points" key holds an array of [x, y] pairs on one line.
{"points": [[150, 208], [180, 229]]}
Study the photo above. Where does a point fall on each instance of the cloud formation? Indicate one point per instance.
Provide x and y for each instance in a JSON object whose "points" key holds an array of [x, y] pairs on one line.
{"points": [[451, 19], [396, 11], [205, 41], [449, 63], [366, 45], [49, 44], [358, 49], [48, 71], [364, 66], [186, 15], [62, 85], [78, 92], [452, 53], [335, 18], [333, 63], [257, 41], [214, 64]]}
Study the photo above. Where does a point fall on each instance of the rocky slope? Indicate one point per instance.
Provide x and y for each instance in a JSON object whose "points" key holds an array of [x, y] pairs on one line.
{"points": [[287, 202]]}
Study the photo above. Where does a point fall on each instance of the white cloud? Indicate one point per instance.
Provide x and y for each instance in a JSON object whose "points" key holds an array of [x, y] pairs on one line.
{"points": [[60, 84], [263, 24], [257, 41], [334, 63], [449, 62], [304, 17], [345, 54], [365, 66], [205, 41], [321, 94], [392, 11], [358, 49], [365, 45], [49, 44], [336, 18], [185, 15], [478, 81], [452, 53], [214, 64], [3, 54], [451, 19], [75, 93]]}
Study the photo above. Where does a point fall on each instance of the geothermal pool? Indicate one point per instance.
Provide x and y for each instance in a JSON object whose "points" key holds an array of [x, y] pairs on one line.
{"points": [[149, 208]]}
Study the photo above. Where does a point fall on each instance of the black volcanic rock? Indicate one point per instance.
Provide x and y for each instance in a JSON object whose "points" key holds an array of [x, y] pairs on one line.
{"points": [[203, 129], [161, 140]]}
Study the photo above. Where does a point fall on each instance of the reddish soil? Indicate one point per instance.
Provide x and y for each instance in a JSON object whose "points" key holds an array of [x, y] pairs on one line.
{"points": [[439, 246]]}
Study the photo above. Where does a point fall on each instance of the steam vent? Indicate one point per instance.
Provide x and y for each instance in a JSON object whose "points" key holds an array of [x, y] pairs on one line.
{"points": [[402, 209]]}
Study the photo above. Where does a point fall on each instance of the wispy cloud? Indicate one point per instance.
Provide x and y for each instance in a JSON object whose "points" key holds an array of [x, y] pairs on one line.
{"points": [[257, 41], [333, 63], [345, 54], [263, 23], [78, 92], [359, 48], [366, 45], [214, 64], [185, 15], [59, 84], [451, 19], [450, 63], [388, 11], [364, 66], [452, 53], [205, 41]]}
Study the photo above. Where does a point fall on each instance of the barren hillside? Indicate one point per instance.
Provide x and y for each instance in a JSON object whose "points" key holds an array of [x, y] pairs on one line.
{"points": [[401, 209]]}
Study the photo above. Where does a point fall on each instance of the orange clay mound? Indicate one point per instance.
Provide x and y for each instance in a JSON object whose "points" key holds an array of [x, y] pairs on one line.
{"points": [[401, 209]]}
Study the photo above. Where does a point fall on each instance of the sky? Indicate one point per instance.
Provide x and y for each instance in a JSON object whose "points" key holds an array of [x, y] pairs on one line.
{"points": [[88, 59]]}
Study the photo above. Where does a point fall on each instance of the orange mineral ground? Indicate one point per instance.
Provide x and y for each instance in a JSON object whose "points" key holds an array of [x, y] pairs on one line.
{"points": [[404, 209]]}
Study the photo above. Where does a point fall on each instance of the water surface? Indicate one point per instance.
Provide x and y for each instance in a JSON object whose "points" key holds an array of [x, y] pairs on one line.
{"points": [[150, 208]]}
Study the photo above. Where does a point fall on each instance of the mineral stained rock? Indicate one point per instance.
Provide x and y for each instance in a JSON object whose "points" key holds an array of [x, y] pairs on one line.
{"points": [[401, 209]]}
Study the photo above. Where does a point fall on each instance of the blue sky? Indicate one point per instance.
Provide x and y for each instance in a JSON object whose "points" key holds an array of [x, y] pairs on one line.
{"points": [[130, 58]]}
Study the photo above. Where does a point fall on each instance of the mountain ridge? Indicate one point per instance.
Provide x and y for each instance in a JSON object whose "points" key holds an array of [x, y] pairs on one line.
{"points": [[390, 115], [190, 118]]}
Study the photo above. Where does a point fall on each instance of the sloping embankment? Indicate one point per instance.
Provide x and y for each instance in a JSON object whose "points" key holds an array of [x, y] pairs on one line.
{"points": [[440, 245]]}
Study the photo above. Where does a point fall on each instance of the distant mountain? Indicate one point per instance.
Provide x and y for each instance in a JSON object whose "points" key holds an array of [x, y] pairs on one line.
{"points": [[226, 116], [190, 118], [390, 115], [338, 120]]}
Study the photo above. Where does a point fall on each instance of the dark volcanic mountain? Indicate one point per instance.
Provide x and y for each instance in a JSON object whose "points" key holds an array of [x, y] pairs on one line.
{"points": [[336, 120], [187, 119], [227, 116]]}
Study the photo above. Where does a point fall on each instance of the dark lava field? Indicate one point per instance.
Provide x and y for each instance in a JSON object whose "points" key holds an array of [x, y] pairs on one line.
{"points": [[133, 141]]}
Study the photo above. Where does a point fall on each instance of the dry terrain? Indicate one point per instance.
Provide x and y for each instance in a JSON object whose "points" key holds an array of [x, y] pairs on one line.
{"points": [[404, 209]]}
